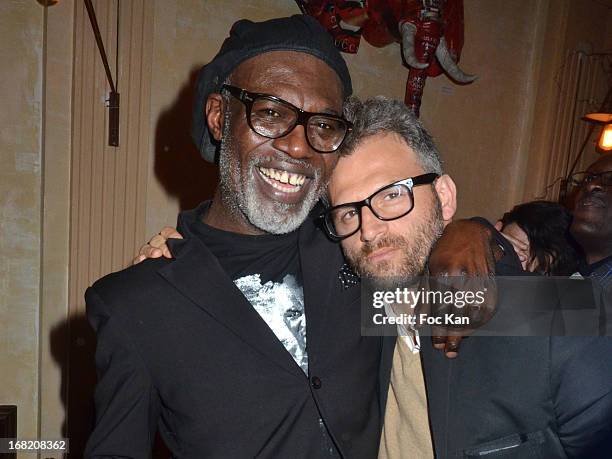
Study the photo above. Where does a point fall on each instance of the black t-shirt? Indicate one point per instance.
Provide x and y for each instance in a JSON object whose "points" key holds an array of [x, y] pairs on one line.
{"points": [[271, 256], [266, 269]]}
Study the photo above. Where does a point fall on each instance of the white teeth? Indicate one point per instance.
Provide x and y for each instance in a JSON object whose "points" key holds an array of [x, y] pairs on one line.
{"points": [[280, 187], [296, 180]]}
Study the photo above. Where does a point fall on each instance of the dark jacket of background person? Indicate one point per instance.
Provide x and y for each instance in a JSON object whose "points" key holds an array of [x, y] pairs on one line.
{"points": [[601, 275], [182, 350], [520, 397]]}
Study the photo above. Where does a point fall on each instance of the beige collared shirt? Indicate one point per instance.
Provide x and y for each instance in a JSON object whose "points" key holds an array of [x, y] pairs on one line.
{"points": [[406, 433]]}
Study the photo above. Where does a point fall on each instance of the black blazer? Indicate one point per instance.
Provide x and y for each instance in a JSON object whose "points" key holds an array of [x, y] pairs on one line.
{"points": [[181, 350], [519, 397]]}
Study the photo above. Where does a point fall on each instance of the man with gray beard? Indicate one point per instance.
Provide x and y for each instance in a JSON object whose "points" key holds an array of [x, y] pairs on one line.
{"points": [[505, 397], [245, 344], [239, 191]]}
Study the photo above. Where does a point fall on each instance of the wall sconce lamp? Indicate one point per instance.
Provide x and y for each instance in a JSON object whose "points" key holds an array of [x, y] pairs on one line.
{"points": [[604, 144], [602, 117]]}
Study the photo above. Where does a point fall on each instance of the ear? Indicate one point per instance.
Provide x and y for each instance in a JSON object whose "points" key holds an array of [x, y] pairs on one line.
{"points": [[499, 225], [215, 115], [447, 193]]}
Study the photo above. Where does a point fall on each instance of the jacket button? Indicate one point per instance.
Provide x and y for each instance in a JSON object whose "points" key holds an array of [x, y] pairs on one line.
{"points": [[316, 382]]}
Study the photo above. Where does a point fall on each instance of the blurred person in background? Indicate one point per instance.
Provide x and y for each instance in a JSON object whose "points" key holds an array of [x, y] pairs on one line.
{"points": [[591, 227], [539, 232], [592, 223]]}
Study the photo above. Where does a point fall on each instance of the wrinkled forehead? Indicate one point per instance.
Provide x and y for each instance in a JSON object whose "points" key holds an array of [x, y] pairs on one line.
{"points": [[275, 70]]}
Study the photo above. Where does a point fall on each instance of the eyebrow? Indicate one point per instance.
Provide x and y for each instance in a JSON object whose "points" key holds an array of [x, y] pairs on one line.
{"points": [[330, 111], [325, 111]]}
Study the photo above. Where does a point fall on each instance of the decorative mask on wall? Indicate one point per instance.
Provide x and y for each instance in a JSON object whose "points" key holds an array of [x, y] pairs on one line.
{"points": [[430, 33]]}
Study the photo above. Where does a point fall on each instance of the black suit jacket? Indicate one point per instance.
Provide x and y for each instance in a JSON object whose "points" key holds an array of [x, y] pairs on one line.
{"points": [[519, 397], [181, 350]]}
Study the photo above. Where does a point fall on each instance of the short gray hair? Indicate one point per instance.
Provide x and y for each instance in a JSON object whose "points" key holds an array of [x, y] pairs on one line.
{"points": [[381, 115]]}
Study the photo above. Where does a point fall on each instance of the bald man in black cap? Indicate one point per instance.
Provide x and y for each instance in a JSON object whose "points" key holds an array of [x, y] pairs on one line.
{"points": [[245, 344]]}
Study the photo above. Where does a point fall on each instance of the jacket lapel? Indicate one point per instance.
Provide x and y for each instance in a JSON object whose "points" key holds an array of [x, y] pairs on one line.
{"points": [[197, 274], [316, 254]]}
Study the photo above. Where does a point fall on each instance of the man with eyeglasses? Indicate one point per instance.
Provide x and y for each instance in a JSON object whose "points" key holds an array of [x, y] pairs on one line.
{"points": [[592, 222], [591, 227], [245, 344], [510, 397], [589, 195]]}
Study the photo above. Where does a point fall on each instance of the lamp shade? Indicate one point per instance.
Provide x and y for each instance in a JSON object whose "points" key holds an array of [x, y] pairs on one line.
{"points": [[604, 144], [605, 138], [600, 117]]}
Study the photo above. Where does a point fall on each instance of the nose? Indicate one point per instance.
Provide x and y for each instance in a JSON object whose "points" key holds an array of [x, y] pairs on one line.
{"points": [[371, 226], [295, 144], [594, 185]]}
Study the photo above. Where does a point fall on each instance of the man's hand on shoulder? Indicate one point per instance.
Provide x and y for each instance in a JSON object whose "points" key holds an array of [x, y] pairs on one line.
{"points": [[464, 259], [157, 246], [465, 248]]}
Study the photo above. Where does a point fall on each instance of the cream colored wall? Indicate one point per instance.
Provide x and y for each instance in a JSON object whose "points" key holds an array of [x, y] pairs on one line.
{"points": [[571, 25], [35, 47], [589, 24], [483, 128], [21, 54], [608, 43], [57, 132], [589, 28]]}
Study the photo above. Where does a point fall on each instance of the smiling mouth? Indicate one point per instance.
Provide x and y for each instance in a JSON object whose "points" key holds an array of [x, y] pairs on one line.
{"points": [[287, 182]]}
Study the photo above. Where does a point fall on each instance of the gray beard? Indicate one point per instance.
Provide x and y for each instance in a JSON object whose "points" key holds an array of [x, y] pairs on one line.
{"points": [[415, 252], [243, 200]]}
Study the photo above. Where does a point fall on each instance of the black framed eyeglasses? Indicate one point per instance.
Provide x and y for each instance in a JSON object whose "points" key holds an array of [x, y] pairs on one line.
{"points": [[273, 117], [579, 179], [388, 203]]}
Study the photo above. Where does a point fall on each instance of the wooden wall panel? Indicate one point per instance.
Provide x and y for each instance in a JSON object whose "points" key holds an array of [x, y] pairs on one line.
{"points": [[108, 183], [57, 147]]}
